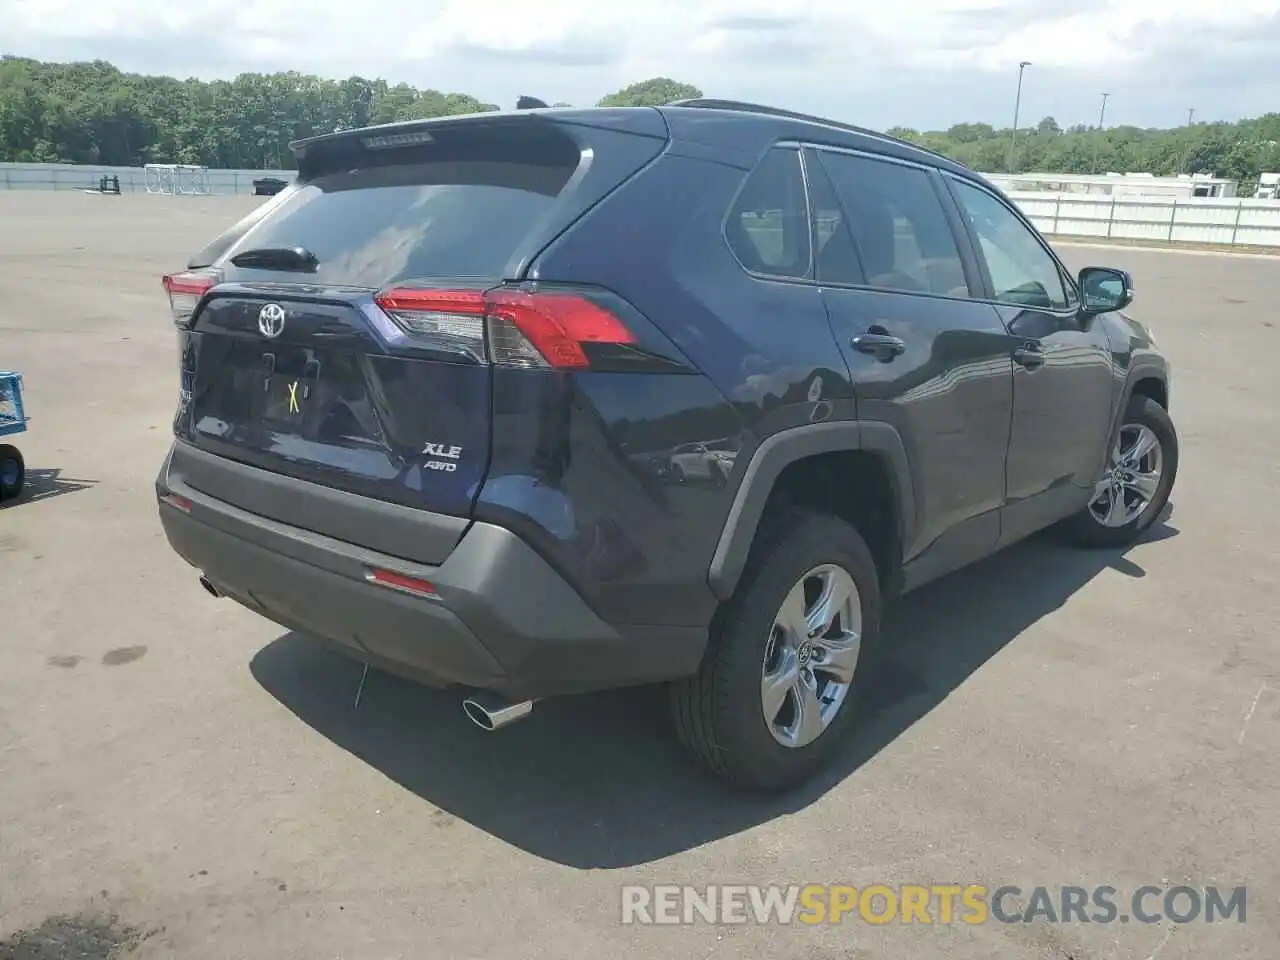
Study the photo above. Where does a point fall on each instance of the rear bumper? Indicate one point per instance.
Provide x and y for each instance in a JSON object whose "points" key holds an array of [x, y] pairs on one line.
{"points": [[501, 617]]}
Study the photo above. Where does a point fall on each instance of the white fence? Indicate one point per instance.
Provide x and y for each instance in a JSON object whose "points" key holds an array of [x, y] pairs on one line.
{"points": [[1237, 223], [1227, 222], [84, 176]]}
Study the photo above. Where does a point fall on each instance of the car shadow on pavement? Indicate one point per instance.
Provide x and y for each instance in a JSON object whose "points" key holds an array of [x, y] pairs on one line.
{"points": [[45, 485], [597, 782]]}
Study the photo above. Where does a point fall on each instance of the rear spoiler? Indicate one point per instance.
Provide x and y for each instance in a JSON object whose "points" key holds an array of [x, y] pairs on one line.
{"points": [[307, 145], [376, 145]]}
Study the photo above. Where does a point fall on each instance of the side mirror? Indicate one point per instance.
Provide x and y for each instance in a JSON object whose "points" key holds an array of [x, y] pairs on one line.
{"points": [[1103, 289]]}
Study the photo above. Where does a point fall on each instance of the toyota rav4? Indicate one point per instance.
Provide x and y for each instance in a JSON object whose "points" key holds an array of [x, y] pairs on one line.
{"points": [[454, 401]]}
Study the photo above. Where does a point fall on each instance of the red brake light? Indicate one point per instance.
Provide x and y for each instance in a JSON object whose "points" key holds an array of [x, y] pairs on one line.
{"points": [[526, 329], [469, 302], [449, 320], [557, 325], [185, 290]]}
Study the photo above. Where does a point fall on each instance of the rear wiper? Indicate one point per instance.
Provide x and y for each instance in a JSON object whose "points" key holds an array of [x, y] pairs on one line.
{"points": [[278, 258]]}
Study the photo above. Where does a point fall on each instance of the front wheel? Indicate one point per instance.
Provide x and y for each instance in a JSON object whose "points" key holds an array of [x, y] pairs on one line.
{"points": [[774, 695], [1136, 482], [12, 472]]}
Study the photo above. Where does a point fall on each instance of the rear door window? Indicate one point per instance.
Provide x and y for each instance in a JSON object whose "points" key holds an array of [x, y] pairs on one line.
{"points": [[899, 228], [834, 255], [768, 226], [383, 225]]}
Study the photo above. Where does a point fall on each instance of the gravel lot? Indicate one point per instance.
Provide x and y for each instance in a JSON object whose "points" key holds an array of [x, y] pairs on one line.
{"points": [[183, 779]]}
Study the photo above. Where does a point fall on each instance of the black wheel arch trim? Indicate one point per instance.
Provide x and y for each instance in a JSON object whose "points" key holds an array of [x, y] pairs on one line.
{"points": [[774, 454], [1150, 367]]}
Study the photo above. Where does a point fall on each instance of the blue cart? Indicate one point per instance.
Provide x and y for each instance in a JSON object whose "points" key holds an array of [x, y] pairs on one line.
{"points": [[12, 421]]}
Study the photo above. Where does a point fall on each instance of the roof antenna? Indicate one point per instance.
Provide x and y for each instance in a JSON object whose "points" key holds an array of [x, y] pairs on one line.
{"points": [[529, 103]]}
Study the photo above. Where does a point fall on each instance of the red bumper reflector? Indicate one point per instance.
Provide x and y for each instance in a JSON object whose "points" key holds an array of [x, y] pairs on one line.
{"points": [[173, 500], [400, 581]]}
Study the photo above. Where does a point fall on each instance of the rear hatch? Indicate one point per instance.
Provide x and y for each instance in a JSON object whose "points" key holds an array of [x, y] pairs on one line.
{"points": [[304, 352]]}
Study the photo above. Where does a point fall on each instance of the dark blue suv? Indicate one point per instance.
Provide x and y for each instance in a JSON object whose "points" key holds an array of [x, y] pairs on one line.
{"points": [[554, 401]]}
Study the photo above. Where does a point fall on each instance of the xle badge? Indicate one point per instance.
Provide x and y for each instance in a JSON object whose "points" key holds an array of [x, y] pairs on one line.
{"points": [[450, 454]]}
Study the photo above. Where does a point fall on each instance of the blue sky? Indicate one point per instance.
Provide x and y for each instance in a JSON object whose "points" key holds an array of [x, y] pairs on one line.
{"points": [[918, 63]]}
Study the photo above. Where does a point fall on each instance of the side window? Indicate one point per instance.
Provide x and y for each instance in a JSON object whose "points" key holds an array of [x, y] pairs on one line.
{"points": [[834, 255], [1022, 271], [902, 235], [768, 227]]}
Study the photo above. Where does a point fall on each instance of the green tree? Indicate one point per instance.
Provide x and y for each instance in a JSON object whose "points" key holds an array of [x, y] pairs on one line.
{"points": [[970, 132], [651, 93], [94, 113]]}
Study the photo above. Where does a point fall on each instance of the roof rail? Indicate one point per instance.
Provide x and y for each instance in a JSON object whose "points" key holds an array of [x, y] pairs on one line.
{"points": [[710, 103]]}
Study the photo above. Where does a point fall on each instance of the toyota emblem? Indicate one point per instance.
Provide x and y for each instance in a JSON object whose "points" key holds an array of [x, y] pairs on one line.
{"points": [[271, 320]]}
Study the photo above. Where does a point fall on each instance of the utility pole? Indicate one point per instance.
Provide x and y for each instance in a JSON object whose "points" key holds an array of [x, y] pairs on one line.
{"points": [[1185, 161], [1097, 140], [1017, 103]]}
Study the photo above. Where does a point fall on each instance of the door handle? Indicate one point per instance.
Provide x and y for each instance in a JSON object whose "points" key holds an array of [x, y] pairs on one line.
{"points": [[879, 345], [1029, 355]]}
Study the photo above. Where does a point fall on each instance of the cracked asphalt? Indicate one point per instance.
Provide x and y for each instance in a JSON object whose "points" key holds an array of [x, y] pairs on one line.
{"points": [[182, 779]]}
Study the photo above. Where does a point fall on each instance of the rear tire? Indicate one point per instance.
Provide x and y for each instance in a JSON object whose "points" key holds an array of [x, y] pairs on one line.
{"points": [[720, 713], [12, 472], [1137, 485]]}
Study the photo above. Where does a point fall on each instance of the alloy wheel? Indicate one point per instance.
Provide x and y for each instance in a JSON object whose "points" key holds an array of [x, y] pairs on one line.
{"points": [[812, 654], [1129, 484]]}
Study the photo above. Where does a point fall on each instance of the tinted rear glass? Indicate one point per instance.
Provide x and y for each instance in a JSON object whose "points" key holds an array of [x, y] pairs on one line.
{"points": [[387, 224], [768, 227]]}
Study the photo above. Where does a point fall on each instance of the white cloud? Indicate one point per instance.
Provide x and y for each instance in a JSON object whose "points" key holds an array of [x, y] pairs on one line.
{"points": [[926, 60]]}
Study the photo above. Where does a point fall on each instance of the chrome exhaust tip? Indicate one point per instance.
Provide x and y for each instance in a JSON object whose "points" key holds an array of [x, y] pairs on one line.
{"points": [[209, 587], [490, 712]]}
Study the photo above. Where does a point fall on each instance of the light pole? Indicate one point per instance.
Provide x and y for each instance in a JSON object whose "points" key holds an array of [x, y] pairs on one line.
{"points": [[1186, 159], [1097, 142], [1017, 103]]}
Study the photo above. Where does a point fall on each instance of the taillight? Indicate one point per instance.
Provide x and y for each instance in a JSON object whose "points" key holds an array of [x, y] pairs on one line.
{"points": [[185, 290], [525, 328], [450, 320], [551, 329]]}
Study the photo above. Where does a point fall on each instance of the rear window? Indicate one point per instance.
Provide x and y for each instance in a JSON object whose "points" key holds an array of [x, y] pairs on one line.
{"points": [[386, 224]]}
